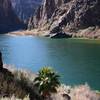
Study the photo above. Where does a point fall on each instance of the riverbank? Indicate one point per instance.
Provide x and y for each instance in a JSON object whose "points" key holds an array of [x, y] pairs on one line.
{"points": [[34, 32], [92, 33], [40, 34], [82, 92]]}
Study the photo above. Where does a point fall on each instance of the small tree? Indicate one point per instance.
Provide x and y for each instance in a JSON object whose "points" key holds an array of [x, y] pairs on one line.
{"points": [[47, 81]]}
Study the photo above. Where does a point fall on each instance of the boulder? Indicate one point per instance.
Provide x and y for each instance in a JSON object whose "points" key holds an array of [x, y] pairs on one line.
{"points": [[1, 62], [66, 96], [60, 35]]}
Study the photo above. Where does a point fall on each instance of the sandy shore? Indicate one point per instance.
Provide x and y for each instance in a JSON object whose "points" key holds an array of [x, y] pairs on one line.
{"points": [[34, 32]]}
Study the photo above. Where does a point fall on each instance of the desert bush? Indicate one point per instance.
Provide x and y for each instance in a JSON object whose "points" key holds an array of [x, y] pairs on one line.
{"points": [[47, 81], [9, 86], [83, 92], [14, 98], [16, 83]]}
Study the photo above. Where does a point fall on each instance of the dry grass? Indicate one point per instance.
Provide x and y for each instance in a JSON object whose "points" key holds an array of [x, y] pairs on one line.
{"points": [[17, 82], [83, 92], [14, 98], [9, 86]]}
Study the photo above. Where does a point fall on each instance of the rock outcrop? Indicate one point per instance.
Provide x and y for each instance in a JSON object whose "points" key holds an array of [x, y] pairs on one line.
{"points": [[8, 19], [44, 13], [68, 16], [1, 62]]}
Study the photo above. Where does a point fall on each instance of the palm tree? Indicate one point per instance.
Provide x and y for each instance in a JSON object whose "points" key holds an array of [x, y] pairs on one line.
{"points": [[47, 81]]}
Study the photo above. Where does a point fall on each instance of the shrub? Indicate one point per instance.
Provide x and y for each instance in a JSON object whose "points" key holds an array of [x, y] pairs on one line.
{"points": [[47, 81], [83, 92]]}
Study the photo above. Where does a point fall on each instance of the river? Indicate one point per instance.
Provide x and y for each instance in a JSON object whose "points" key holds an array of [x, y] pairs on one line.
{"points": [[76, 60]]}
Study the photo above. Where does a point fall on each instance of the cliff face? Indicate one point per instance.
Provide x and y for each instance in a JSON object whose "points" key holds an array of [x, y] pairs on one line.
{"points": [[8, 19], [67, 16], [25, 8], [44, 13]]}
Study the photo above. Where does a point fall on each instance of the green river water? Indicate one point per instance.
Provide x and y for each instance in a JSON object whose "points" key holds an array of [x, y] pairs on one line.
{"points": [[76, 60]]}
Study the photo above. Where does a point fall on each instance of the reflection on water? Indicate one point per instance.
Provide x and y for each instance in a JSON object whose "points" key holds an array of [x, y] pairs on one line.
{"points": [[78, 61]]}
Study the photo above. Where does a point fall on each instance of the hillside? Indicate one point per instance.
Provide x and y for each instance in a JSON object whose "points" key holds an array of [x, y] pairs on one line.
{"points": [[78, 18], [8, 19]]}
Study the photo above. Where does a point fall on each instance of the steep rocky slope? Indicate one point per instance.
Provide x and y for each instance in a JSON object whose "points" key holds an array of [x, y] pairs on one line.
{"points": [[69, 16], [25, 8], [44, 13], [8, 20]]}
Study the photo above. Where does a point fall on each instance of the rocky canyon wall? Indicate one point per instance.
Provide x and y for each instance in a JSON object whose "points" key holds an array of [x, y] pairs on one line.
{"points": [[68, 16], [8, 19]]}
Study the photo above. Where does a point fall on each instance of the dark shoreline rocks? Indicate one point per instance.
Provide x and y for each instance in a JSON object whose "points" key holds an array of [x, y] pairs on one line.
{"points": [[60, 35], [1, 62]]}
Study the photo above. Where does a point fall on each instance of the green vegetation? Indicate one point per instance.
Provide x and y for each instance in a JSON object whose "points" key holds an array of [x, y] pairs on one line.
{"points": [[47, 81]]}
